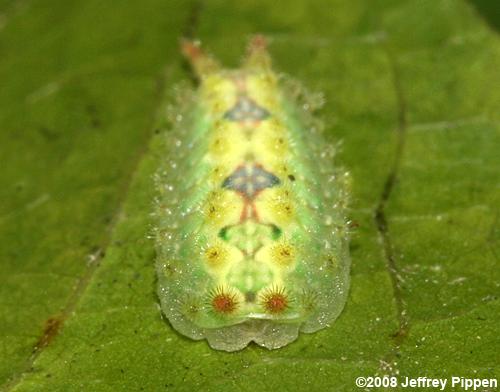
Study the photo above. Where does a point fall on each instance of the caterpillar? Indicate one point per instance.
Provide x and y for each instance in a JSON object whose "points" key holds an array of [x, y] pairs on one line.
{"points": [[251, 234]]}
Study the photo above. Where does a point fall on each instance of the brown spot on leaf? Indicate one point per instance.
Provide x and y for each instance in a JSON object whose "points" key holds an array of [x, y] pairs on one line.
{"points": [[50, 331]]}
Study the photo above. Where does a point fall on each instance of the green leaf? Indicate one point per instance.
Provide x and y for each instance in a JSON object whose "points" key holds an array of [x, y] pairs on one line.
{"points": [[412, 91]]}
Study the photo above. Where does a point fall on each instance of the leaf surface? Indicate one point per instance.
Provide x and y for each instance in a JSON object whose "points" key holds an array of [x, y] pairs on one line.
{"points": [[410, 88]]}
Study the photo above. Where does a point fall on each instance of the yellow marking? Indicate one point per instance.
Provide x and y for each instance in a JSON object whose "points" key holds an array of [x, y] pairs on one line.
{"points": [[219, 173], [219, 256], [262, 87], [218, 92], [271, 146], [222, 208], [216, 255], [283, 253], [280, 256], [228, 144], [280, 169], [276, 205]]}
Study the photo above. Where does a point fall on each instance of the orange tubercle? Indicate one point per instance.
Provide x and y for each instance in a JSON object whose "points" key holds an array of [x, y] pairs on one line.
{"points": [[223, 302], [275, 300]]}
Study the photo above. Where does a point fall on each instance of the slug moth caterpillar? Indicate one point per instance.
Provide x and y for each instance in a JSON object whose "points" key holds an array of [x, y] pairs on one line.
{"points": [[251, 236]]}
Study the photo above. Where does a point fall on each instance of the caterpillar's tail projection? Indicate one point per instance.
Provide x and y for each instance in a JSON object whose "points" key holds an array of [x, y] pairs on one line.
{"points": [[202, 63], [257, 55]]}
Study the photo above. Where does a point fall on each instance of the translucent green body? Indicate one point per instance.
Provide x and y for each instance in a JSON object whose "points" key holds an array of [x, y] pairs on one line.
{"points": [[251, 233]]}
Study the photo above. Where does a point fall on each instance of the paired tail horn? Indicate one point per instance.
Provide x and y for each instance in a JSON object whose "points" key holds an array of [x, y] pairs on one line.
{"points": [[204, 64], [257, 55]]}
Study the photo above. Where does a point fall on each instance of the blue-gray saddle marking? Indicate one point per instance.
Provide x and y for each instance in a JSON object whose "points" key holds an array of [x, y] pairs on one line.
{"points": [[249, 180], [246, 109]]}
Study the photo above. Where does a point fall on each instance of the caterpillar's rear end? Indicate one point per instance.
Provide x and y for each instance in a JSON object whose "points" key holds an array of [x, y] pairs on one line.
{"points": [[251, 229]]}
